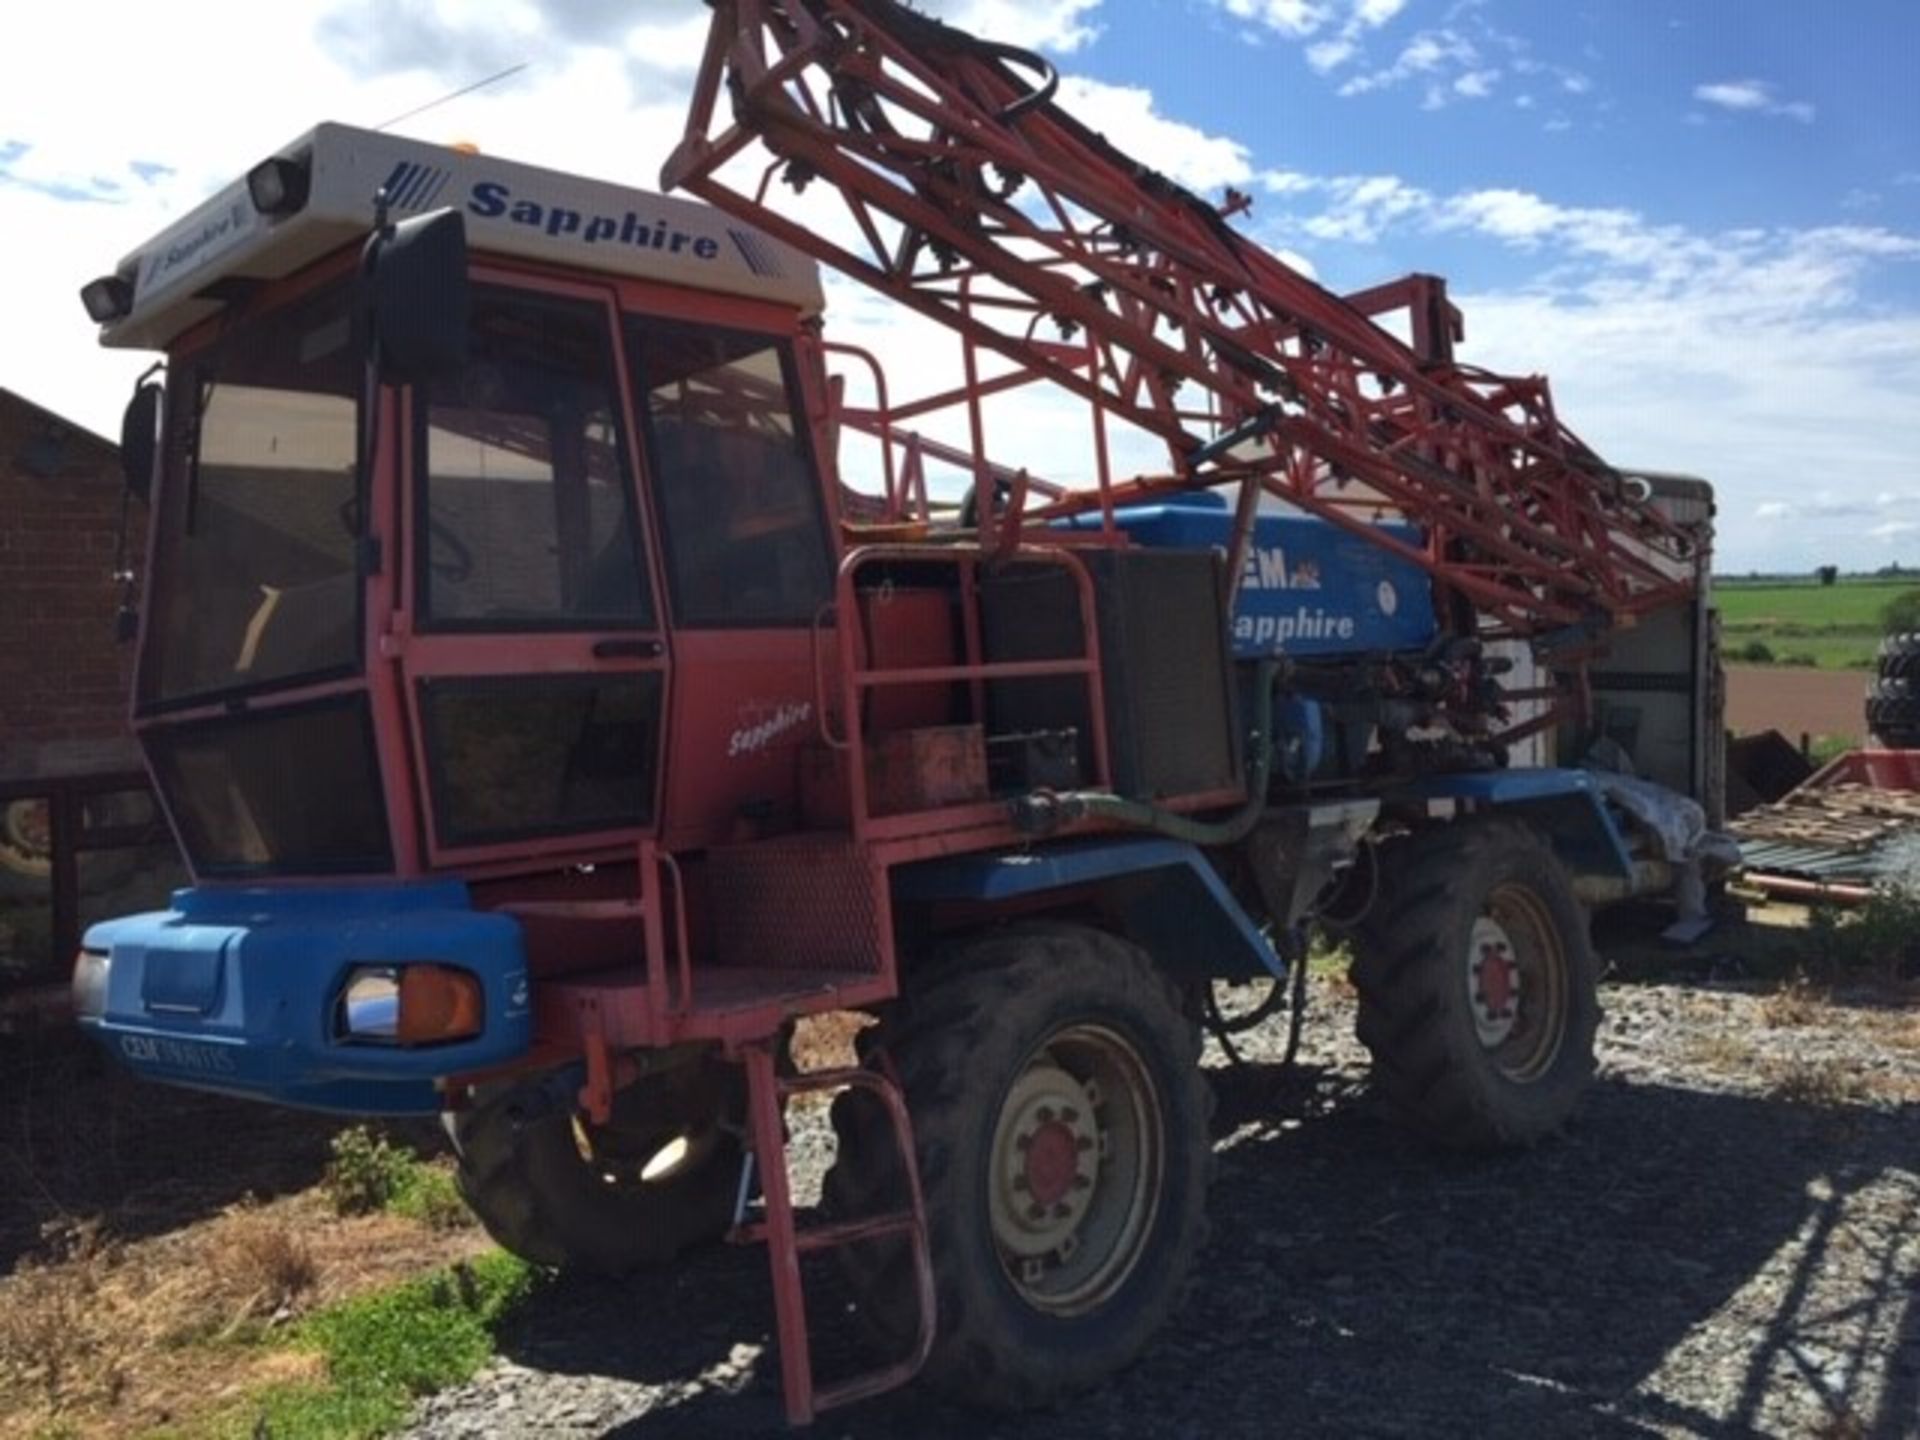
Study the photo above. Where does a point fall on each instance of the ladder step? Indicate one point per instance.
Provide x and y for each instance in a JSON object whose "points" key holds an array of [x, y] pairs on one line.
{"points": [[840, 1232], [786, 1242], [850, 1232]]}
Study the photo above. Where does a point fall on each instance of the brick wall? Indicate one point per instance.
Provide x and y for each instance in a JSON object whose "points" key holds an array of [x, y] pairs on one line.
{"points": [[63, 678]]}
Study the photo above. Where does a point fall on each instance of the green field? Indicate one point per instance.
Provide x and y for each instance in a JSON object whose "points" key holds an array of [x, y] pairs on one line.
{"points": [[1836, 627]]}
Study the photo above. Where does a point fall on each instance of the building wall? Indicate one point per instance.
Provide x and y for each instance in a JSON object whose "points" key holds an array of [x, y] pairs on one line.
{"points": [[63, 678], [81, 838]]}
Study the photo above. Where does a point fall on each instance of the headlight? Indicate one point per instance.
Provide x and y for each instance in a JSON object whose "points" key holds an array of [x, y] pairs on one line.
{"points": [[414, 1004], [370, 1005], [90, 973]]}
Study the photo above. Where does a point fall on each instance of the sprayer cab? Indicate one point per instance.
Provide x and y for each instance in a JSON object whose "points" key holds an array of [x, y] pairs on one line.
{"points": [[470, 483]]}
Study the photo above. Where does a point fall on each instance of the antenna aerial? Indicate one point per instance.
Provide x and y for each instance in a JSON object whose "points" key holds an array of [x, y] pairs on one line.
{"points": [[454, 95]]}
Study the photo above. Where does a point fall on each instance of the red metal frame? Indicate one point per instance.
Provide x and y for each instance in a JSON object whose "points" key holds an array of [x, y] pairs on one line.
{"points": [[988, 208]]}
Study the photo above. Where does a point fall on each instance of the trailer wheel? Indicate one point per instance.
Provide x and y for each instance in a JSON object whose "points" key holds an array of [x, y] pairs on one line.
{"points": [[1061, 1123], [1478, 986], [1899, 656], [657, 1180], [1893, 710]]}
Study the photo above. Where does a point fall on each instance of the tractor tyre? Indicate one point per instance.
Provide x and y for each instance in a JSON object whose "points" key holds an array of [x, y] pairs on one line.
{"points": [[658, 1179], [1893, 711], [1478, 986], [1899, 657], [1061, 1123]]}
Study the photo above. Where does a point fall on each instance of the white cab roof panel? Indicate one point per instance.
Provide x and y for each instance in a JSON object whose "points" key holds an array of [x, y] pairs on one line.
{"points": [[511, 209]]}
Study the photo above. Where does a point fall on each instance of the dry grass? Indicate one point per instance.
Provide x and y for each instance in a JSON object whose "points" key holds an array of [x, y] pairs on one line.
{"points": [[51, 1350], [1821, 1084], [1722, 1050], [1795, 1004], [268, 1263], [112, 1339]]}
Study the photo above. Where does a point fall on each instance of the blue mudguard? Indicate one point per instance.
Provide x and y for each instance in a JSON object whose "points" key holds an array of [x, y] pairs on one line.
{"points": [[238, 990], [1176, 903], [1568, 807]]}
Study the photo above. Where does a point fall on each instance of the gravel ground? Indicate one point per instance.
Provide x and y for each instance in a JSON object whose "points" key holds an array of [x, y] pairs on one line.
{"points": [[1725, 1243]]}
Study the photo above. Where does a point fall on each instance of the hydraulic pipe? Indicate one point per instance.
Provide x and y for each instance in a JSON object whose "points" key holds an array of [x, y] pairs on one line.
{"points": [[1045, 811]]}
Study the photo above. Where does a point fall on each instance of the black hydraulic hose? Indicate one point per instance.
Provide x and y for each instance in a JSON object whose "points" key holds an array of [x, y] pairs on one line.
{"points": [[1045, 811]]}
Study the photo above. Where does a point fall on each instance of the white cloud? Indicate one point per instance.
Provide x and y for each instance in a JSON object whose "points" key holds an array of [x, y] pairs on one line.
{"points": [[1060, 25], [1305, 19], [1422, 55], [1362, 208], [1127, 115], [1823, 504], [1753, 97], [1734, 94], [1374, 13], [1464, 58], [1326, 55], [1294, 18]]}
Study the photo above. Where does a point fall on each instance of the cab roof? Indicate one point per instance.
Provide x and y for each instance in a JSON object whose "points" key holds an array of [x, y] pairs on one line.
{"points": [[220, 249]]}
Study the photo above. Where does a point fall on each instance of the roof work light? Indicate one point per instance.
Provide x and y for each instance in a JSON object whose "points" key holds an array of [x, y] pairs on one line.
{"points": [[279, 186], [107, 299]]}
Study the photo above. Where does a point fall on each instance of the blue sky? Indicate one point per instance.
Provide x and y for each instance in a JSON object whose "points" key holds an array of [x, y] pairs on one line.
{"points": [[1701, 218]]}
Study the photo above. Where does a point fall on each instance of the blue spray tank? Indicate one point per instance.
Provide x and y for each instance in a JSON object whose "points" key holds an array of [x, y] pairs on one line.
{"points": [[1310, 592], [1310, 589]]}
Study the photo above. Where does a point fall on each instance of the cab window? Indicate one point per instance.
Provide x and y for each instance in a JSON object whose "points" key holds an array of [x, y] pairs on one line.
{"points": [[733, 476], [527, 517], [254, 577]]}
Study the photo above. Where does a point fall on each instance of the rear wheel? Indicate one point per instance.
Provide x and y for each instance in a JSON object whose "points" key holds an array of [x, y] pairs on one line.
{"points": [[1478, 986], [659, 1178], [1060, 1119]]}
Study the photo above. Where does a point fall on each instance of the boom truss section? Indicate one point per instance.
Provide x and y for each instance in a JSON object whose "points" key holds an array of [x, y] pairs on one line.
{"points": [[972, 197]]}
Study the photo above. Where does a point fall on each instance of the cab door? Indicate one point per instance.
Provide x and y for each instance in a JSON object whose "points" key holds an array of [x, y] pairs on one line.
{"points": [[747, 560], [536, 667]]}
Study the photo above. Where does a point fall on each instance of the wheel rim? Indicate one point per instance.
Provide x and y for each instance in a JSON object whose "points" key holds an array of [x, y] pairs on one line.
{"points": [[26, 837], [1079, 1152], [1516, 978]]}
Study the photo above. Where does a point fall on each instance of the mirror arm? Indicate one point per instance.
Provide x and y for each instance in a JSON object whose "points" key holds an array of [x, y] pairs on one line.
{"points": [[370, 383]]}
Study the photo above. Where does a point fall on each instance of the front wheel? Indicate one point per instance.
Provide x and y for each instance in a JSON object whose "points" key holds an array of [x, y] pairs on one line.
{"points": [[1061, 1124], [1478, 986], [659, 1178]]}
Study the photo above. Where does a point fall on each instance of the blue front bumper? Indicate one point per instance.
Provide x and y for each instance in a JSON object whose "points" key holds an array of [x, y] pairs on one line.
{"points": [[238, 990]]}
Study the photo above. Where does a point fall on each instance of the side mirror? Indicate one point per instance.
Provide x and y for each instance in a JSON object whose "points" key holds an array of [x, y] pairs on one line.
{"points": [[416, 279], [140, 438]]}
